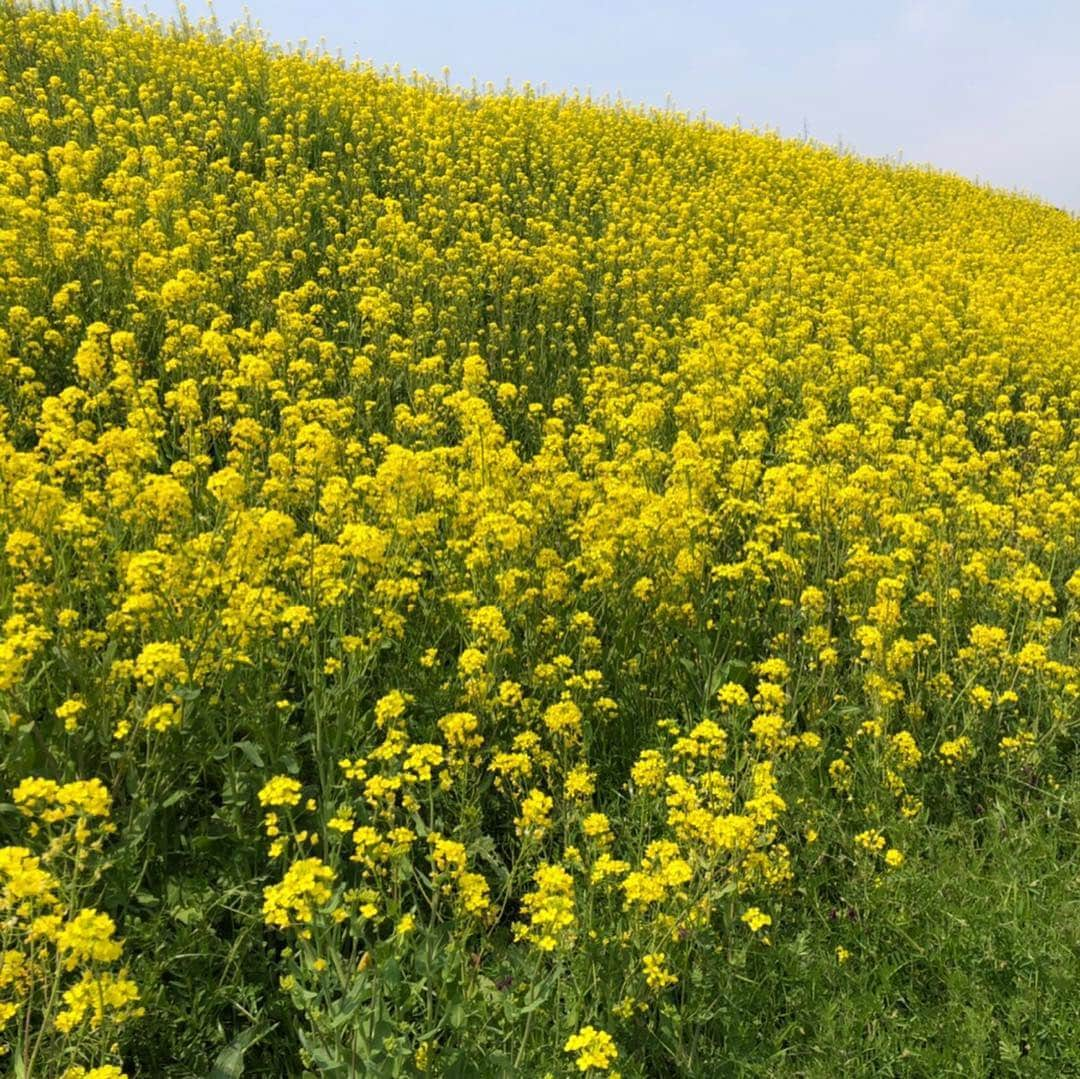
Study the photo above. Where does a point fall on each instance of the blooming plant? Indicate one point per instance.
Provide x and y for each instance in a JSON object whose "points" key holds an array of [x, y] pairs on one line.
{"points": [[515, 584], [62, 993]]}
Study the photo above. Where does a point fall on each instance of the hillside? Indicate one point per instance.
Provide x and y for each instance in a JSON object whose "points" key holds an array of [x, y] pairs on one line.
{"points": [[498, 584]]}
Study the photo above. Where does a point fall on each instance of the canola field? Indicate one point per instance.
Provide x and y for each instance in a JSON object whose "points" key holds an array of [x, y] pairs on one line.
{"points": [[497, 584]]}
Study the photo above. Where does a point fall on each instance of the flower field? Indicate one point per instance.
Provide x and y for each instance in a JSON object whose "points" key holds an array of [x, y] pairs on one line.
{"points": [[497, 584]]}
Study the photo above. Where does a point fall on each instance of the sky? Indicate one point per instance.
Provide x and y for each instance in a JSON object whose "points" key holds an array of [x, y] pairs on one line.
{"points": [[989, 89]]}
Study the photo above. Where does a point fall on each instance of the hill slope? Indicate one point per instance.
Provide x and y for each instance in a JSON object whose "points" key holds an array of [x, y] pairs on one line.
{"points": [[496, 584]]}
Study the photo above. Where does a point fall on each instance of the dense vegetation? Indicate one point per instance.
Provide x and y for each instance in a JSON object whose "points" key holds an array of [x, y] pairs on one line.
{"points": [[507, 585]]}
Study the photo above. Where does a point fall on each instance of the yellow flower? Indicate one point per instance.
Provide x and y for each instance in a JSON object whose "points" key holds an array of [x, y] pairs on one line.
{"points": [[104, 1071], [102, 997], [871, 840], [594, 1049], [280, 791], [391, 708], [69, 712], [535, 817], [550, 910], [304, 888], [657, 976], [160, 663], [88, 937], [580, 782], [563, 719], [956, 751], [756, 919]]}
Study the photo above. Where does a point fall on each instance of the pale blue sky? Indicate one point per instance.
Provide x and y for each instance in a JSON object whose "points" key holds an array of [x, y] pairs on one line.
{"points": [[988, 89]]}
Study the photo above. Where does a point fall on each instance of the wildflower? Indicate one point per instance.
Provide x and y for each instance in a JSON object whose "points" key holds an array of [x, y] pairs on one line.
{"points": [[510, 766], [597, 826], [563, 719], [732, 696], [657, 976], [69, 712], [594, 1049], [549, 909], [956, 751], [580, 782], [102, 997], [390, 708], [280, 791], [294, 900], [649, 771], [342, 821], [161, 663], [535, 817], [162, 717], [448, 856], [756, 919], [459, 730], [871, 840], [420, 760], [1019, 744], [474, 894], [422, 1057], [88, 937], [606, 866], [903, 743]]}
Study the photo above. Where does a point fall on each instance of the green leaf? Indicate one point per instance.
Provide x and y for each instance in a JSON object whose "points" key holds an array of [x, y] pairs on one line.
{"points": [[230, 1061], [252, 753]]}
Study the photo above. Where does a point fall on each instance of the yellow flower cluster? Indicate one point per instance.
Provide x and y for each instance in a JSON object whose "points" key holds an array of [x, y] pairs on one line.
{"points": [[45, 936], [306, 885], [594, 1049]]}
